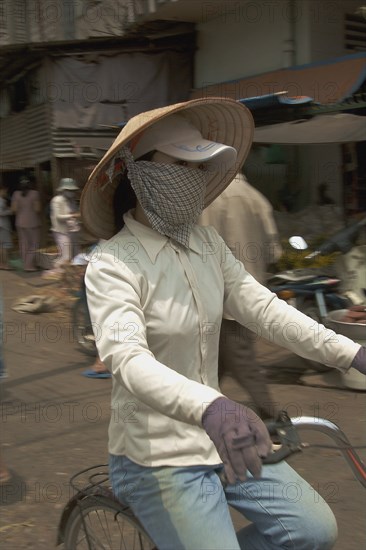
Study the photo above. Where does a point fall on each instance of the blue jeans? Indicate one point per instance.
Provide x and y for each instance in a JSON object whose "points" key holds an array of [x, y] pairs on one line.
{"points": [[187, 508]]}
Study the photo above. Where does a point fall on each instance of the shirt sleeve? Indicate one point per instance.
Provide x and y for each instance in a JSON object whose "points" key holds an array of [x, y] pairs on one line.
{"points": [[260, 310], [274, 249], [120, 329]]}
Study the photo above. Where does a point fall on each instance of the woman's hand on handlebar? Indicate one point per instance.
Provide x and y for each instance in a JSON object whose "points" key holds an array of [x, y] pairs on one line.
{"points": [[240, 437], [359, 362]]}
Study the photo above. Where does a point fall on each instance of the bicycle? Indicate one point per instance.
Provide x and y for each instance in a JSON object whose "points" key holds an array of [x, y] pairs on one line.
{"points": [[85, 519]]}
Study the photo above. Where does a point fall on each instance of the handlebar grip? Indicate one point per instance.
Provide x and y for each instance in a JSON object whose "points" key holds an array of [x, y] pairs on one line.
{"points": [[273, 425], [286, 435]]}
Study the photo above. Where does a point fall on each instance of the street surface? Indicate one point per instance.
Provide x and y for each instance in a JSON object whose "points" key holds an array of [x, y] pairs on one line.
{"points": [[54, 423]]}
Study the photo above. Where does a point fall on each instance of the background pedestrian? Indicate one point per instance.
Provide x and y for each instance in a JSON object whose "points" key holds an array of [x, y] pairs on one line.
{"points": [[5, 474], [64, 221], [243, 217], [26, 206], [5, 229]]}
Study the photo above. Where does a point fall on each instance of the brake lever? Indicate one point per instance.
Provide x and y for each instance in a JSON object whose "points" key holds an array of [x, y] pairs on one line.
{"points": [[286, 434]]}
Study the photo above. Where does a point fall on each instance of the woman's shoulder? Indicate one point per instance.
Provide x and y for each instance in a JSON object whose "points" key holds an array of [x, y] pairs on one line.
{"points": [[206, 232], [120, 254], [119, 244]]}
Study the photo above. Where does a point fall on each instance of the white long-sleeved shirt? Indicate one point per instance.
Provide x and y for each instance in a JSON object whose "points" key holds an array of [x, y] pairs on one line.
{"points": [[157, 309], [61, 211]]}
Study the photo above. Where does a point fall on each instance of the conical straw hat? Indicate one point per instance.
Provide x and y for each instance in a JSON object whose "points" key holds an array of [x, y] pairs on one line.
{"points": [[218, 119]]}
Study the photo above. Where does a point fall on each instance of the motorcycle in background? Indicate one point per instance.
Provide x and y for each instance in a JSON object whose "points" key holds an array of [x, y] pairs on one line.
{"points": [[310, 291], [351, 264], [326, 294], [318, 290]]}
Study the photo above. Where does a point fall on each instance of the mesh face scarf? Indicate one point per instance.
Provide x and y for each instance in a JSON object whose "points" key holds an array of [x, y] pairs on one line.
{"points": [[172, 196]]}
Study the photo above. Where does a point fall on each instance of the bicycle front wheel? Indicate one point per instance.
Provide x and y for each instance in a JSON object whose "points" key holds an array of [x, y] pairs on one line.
{"points": [[99, 523]]}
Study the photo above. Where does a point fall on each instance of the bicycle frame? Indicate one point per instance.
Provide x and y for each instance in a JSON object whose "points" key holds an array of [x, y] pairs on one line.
{"points": [[286, 431]]}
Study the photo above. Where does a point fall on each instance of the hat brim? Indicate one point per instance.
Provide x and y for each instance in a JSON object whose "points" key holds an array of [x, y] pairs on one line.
{"points": [[197, 151], [220, 120], [67, 188]]}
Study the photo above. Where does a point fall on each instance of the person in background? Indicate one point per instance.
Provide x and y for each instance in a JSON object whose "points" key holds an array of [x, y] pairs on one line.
{"points": [[97, 369], [64, 220], [3, 373], [26, 206], [243, 217], [5, 474], [5, 230]]}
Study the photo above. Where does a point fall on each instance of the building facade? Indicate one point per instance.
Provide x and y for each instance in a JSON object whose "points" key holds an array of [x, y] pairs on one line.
{"points": [[72, 70], [71, 73]]}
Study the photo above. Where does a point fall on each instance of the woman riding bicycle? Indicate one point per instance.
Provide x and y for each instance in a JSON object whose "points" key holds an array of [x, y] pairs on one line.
{"points": [[157, 290]]}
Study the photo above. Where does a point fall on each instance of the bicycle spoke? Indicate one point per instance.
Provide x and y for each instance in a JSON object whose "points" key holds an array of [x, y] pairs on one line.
{"points": [[99, 530], [98, 521], [107, 530]]}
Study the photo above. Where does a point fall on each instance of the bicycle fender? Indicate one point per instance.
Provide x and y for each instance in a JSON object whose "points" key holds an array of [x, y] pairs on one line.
{"points": [[66, 513], [71, 505]]}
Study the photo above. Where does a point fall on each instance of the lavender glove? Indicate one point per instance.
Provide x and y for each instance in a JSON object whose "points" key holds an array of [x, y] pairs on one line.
{"points": [[359, 362], [240, 437]]}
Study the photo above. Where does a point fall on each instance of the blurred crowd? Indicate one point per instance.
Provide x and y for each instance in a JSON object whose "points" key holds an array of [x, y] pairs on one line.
{"points": [[22, 217]]}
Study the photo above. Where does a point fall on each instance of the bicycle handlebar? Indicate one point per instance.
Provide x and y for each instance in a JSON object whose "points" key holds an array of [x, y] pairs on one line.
{"points": [[285, 430], [286, 435]]}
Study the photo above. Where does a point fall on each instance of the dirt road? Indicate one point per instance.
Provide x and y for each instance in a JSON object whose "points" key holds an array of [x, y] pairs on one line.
{"points": [[54, 422]]}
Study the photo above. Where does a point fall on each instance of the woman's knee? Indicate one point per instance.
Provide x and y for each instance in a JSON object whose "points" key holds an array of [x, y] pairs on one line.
{"points": [[327, 534], [317, 531]]}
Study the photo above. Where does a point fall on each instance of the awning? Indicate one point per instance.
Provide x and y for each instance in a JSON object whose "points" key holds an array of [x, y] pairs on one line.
{"points": [[273, 100], [82, 143], [94, 142], [338, 128], [325, 82]]}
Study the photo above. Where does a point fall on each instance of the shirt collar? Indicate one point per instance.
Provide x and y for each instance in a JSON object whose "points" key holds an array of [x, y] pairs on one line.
{"points": [[153, 241]]}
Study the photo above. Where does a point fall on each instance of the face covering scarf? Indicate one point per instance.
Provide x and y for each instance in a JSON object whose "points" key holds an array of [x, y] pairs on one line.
{"points": [[172, 196]]}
